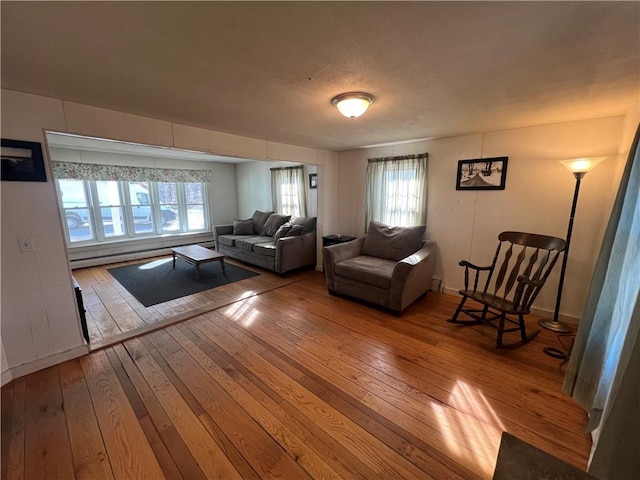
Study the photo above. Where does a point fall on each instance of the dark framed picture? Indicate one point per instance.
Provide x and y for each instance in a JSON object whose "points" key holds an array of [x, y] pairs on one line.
{"points": [[22, 161], [313, 180], [482, 174]]}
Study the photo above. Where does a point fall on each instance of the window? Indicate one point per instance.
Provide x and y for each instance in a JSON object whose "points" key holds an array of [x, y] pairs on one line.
{"points": [[396, 190], [98, 211], [288, 191]]}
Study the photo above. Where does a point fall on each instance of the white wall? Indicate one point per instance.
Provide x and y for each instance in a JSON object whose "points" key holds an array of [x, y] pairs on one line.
{"points": [[40, 325], [537, 197], [254, 187]]}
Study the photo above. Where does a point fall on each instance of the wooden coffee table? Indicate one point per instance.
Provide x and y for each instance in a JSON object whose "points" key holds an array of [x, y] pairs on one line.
{"points": [[196, 255]]}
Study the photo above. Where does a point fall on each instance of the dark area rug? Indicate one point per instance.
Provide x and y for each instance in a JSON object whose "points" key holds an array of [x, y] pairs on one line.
{"points": [[518, 460], [157, 282]]}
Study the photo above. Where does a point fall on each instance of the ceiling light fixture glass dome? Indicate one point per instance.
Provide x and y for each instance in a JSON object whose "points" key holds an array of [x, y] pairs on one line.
{"points": [[352, 104]]}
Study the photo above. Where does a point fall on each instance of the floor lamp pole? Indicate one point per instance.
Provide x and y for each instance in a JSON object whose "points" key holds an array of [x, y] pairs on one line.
{"points": [[555, 324]]}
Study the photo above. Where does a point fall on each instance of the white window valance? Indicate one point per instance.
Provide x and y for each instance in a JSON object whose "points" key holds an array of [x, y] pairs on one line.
{"points": [[92, 171]]}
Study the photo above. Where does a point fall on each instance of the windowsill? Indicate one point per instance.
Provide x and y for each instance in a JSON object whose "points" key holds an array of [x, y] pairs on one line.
{"points": [[116, 251], [136, 241]]}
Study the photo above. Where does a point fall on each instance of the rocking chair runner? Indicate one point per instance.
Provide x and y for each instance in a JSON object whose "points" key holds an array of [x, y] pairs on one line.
{"points": [[535, 257]]}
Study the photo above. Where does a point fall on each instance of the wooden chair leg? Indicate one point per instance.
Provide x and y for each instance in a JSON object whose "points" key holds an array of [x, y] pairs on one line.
{"points": [[500, 331], [523, 333], [458, 310]]}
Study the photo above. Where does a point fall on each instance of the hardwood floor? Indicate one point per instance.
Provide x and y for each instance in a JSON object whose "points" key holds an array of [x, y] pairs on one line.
{"points": [[290, 383], [114, 314]]}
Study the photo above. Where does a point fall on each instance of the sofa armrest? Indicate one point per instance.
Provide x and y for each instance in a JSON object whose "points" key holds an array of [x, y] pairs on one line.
{"points": [[334, 254], [221, 230], [412, 276], [295, 252]]}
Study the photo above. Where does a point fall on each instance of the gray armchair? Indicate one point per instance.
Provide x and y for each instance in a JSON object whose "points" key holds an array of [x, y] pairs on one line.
{"points": [[390, 266]]}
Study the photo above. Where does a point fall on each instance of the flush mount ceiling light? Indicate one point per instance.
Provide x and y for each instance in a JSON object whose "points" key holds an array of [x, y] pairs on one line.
{"points": [[352, 104]]}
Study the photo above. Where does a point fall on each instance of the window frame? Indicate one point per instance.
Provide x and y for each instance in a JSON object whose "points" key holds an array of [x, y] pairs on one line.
{"points": [[95, 217]]}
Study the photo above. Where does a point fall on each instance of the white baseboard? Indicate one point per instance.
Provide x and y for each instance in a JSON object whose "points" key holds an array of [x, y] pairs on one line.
{"points": [[42, 363], [536, 311]]}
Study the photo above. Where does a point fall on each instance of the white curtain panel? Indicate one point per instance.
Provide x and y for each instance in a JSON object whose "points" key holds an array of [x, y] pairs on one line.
{"points": [[396, 191], [288, 191]]}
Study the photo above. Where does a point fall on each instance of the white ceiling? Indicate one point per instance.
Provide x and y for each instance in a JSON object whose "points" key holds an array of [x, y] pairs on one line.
{"points": [[269, 69]]}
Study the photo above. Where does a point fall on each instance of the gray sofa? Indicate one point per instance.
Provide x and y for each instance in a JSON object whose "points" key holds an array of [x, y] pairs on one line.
{"points": [[389, 266], [269, 240]]}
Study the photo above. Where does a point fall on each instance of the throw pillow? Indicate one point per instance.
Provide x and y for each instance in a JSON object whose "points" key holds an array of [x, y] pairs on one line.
{"points": [[295, 231], [243, 227], [273, 223], [394, 243], [259, 218], [308, 223], [282, 231]]}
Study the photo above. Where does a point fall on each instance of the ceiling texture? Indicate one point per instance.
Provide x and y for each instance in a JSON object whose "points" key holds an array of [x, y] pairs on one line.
{"points": [[269, 69]]}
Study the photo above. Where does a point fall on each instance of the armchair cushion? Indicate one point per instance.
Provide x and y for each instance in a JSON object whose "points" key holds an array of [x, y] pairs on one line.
{"points": [[369, 270], [393, 243]]}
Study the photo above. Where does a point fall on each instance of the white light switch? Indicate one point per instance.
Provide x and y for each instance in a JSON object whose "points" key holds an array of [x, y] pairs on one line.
{"points": [[26, 244]]}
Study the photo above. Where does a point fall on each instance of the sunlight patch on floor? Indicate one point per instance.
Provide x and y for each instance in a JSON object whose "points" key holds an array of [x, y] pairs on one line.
{"points": [[242, 311], [470, 425], [154, 264]]}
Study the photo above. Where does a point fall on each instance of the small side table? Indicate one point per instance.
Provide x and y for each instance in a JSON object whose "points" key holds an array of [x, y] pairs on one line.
{"points": [[328, 240]]}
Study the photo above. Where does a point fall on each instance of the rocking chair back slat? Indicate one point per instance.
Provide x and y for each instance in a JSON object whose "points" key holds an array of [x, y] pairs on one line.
{"points": [[515, 272], [503, 270]]}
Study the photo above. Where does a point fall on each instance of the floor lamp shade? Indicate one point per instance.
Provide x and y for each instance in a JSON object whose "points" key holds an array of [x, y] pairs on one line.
{"points": [[579, 167]]}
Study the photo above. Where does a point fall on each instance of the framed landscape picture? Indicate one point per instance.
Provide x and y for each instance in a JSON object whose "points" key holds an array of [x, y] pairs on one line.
{"points": [[313, 180], [482, 174], [22, 161]]}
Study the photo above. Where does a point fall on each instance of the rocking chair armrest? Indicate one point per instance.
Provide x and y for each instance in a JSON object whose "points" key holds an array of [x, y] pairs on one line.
{"points": [[464, 263], [531, 283]]}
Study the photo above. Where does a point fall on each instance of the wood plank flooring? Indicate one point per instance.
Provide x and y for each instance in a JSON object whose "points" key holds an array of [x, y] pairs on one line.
{"points": [[290, 383], [114, 314]]}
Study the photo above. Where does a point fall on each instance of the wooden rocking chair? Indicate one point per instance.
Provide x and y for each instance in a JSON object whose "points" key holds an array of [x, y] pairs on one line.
{"points": [[535, 256]]}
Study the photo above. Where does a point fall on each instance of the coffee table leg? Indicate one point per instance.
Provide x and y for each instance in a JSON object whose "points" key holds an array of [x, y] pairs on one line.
{"points": [[197, 270], [223, 270], [174, 260]]}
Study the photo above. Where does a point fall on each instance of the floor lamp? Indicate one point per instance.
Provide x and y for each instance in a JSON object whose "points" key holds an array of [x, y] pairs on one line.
{"points": [[579, 168]]}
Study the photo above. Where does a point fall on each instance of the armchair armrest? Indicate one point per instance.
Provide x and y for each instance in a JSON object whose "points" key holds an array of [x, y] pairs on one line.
{"points": [[412, 276], [338, 253], [221, 230]]}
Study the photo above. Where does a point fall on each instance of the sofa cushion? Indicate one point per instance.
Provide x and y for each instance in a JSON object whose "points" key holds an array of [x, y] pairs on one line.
{"points": [[282, 231], [371, 270], [268, 248], [394, 243], [243, 227], [308, 223], [295, 231], [259, 219], [229, 240], [247, 243], [273, 223]]}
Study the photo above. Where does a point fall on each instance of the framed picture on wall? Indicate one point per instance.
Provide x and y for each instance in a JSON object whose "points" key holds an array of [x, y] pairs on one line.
{"points": [[22, 161], [482, 174], [313, 180]]}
